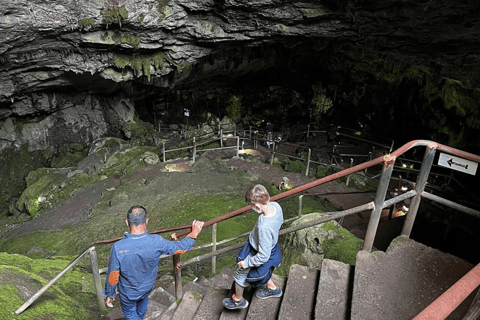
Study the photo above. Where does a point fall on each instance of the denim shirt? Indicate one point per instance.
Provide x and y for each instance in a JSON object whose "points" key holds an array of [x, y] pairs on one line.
{"points": [[133, 263]]}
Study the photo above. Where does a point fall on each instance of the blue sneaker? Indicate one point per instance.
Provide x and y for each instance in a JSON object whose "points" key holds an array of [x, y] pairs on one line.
{"points": [[269, 293], [231, 304]]}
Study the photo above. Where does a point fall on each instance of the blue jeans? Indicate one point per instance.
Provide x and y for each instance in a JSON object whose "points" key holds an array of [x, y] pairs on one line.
{"points": [[134, 309]]}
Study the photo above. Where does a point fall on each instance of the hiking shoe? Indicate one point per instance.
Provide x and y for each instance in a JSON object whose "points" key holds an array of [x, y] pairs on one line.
{"points": [[231, 304], [269, 293]]}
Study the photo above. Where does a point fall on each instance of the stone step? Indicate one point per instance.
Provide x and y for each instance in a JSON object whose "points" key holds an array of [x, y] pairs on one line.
{"points": [[160, 300], [399, 283], [188, 307], [266, 309], [299, 299], [333, 302], [240, 314], [211, 307]]}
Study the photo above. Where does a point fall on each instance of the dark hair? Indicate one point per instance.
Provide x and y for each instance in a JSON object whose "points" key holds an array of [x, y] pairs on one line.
{"points": [[137, 215], [258, 194]]}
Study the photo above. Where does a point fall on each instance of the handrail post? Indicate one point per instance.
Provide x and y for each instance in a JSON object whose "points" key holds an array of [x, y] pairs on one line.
{"points": [[300, 199], [273, 154], [308, 161], [238, 145], [419, 187], [163, 151], [177, 275], [194, 149], [214, 247], [348, 177], [250, 133], [308, 131], [221, 138], [388, 164], [96, 279]]}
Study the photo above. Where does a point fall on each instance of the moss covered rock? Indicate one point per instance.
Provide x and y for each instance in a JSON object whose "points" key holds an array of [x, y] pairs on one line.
{"points": [[21, 277], [328, 240]]}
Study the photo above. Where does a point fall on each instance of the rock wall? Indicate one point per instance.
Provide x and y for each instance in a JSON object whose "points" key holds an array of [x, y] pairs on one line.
{"points": [[44, 120]]}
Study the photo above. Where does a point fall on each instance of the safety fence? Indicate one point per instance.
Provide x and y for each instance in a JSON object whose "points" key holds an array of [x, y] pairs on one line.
{"points": [[444, 305]]}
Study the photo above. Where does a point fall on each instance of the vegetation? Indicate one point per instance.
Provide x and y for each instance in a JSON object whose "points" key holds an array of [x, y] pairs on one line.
{"points": [[111, 16], [68, 299], [86, 23]]}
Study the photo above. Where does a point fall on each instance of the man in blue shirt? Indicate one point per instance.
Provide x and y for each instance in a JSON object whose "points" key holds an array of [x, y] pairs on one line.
{"points": [[133, 263]]}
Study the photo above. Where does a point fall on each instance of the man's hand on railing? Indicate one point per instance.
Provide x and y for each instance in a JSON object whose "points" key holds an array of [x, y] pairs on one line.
{"points": [[197, 227]]}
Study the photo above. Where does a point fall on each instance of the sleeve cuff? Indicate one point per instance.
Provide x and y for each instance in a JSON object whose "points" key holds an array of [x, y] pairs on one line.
{"points": [[192, 235]]}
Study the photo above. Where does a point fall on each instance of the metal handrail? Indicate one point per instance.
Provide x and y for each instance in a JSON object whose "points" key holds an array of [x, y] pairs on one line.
{"points": [[376, 206]]}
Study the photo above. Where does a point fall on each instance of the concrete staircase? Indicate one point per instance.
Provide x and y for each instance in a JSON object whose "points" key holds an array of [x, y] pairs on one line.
{"points": [[394, 285]]}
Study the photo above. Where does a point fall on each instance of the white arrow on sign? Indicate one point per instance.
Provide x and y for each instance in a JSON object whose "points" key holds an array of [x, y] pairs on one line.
{"points": [[456, 163]]}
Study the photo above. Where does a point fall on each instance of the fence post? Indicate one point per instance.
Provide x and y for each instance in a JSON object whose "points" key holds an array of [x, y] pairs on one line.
{"points": [[348, 177], [194, 149], [273, 154], [250, 134], [308, 131], [308, 162], [221, 138], [163, 152], [419, 188], [214, 247], [96, 279], [300, 199], [387, 170], [177, 275], [238, 145]]}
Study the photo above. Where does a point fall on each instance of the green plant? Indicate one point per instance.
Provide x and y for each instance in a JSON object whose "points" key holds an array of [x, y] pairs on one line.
{"points": [[110, 16], [85, 23]]}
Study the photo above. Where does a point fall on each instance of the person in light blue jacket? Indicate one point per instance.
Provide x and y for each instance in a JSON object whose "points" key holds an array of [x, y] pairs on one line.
{"points": [[261, 254], [133, 263]]}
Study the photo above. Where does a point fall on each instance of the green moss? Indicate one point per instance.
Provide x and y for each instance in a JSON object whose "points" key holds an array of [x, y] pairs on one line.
{"points": [[141, 18], [141, 64], [297, 166], [322, 171], [22, 273], [234, 108], [161, 4], [343, 247], [87, 22], [110, 16]]}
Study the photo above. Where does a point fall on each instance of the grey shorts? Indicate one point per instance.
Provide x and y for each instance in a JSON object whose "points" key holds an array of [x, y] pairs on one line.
{"points": [[240, 276]]}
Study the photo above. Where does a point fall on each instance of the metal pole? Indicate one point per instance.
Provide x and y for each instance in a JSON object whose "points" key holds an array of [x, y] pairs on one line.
{"points": [[194, 149], [214, 248], [273, 154], [308, 162], [348, 177], [221, 138], [164, 160], [96, 278], [177, 275], [388, 164], [51, 282], [238, 145], [300, 199], [419, 187]]}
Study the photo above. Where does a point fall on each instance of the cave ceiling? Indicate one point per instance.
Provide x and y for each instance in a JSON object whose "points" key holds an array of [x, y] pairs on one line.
{"points": [[143, 48], [140, 47]]}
